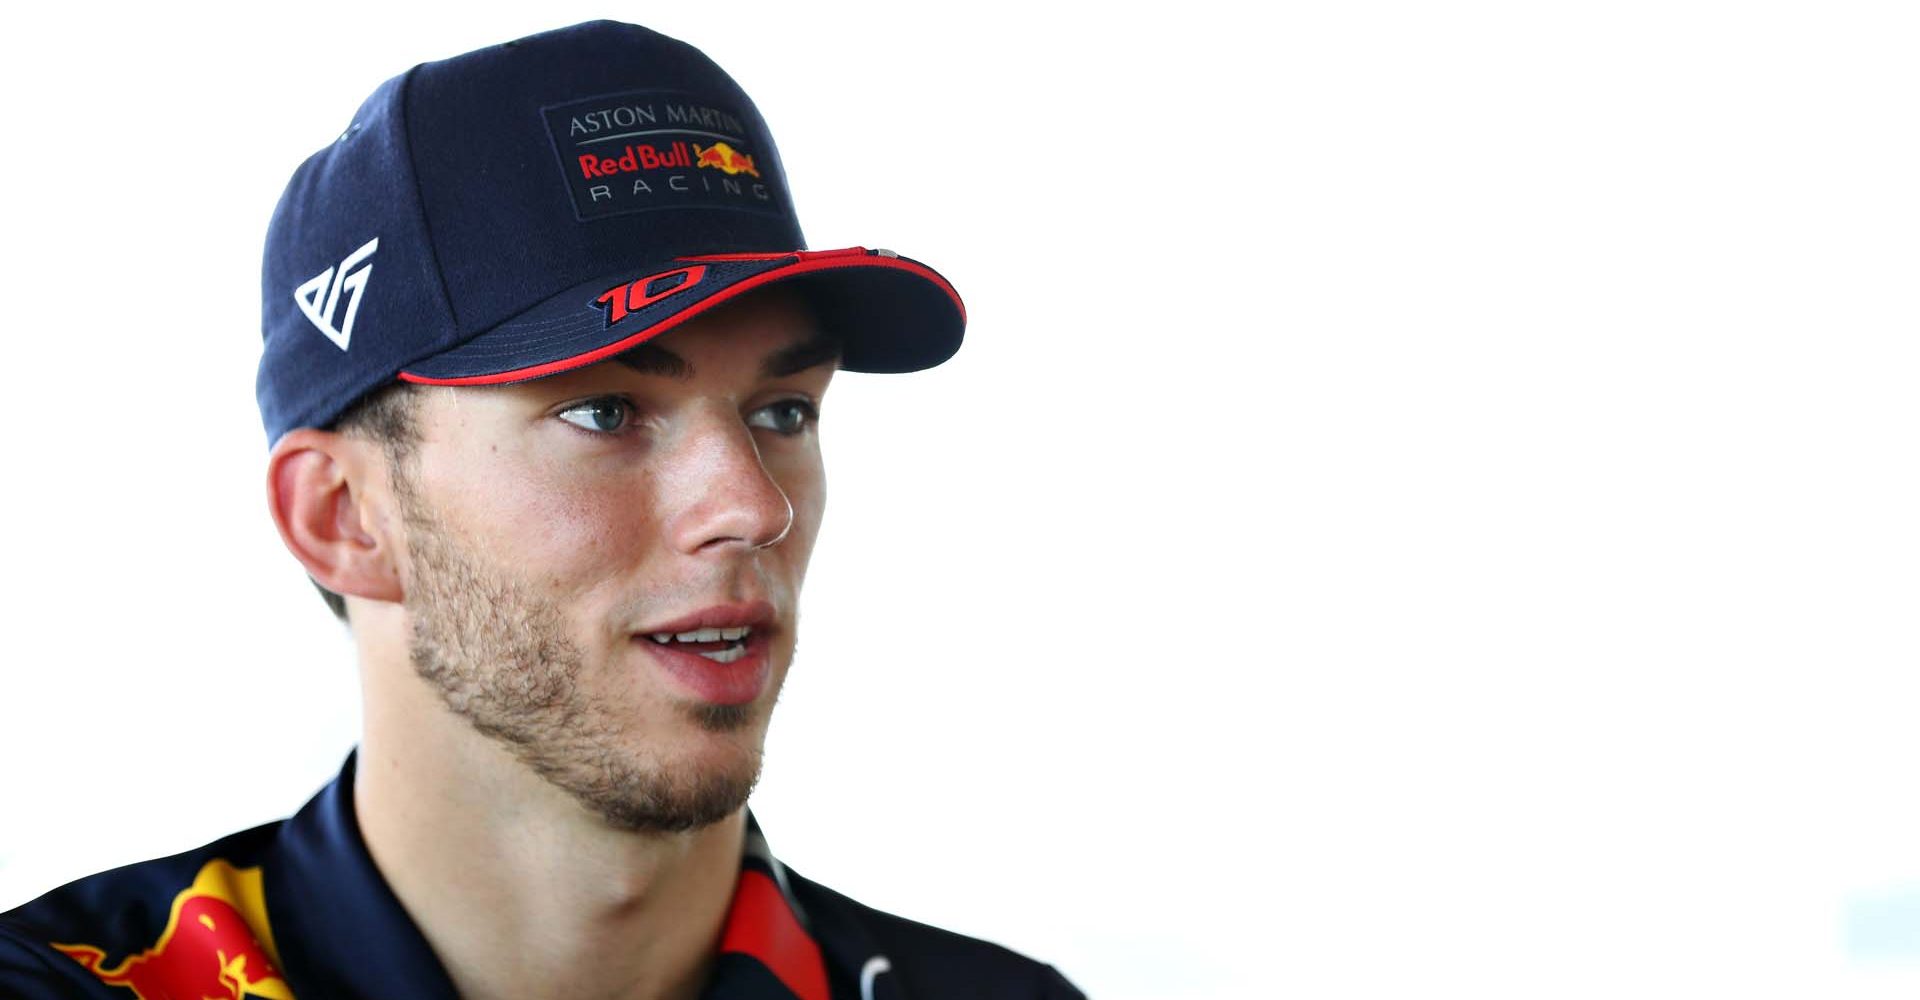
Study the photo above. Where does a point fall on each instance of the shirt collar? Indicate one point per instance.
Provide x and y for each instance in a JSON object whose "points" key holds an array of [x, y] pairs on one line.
{"points": [[342, 933]]}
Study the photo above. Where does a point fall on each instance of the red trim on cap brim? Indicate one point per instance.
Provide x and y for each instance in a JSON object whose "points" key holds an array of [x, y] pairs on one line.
{"points": [[805, 261]]}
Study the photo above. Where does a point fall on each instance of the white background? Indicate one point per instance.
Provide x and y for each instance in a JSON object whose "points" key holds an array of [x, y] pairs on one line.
{"points": [[1426, 505]]}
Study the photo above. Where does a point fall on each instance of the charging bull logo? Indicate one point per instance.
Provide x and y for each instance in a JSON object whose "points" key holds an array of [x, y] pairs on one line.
{"points": [[217, 945], [721, 156]]}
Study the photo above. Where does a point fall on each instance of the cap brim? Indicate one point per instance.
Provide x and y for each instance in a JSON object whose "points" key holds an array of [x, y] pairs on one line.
{"points": [[894, 314]]}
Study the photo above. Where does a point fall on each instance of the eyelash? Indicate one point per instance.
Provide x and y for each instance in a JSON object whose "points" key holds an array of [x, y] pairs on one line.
{"points": [[809, 413], [624, 403]]}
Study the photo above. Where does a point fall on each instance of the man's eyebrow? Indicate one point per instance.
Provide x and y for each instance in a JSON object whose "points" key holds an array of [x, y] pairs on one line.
{"points": [[652, 359], [815, 350]]}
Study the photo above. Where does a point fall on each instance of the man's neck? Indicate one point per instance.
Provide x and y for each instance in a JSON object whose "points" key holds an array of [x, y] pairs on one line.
{"points": [[522, 892]]}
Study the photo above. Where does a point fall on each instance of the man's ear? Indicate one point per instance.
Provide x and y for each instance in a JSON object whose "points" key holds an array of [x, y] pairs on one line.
{"points": [[328, 494]]}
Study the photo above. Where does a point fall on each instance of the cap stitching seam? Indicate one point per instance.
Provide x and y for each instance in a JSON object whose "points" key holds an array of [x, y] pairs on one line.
{"points": [[420, 203]]}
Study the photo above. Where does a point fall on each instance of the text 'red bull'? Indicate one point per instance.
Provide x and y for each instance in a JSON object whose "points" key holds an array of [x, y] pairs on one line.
{"points": [[217, 944], [634, 158]]}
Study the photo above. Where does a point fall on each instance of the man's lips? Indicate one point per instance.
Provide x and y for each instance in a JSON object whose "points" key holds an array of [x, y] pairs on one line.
{"points": [[750, 614], [719, 653], [736, 682]]}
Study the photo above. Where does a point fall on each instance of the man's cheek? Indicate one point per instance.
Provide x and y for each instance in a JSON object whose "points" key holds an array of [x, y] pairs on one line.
{"points": [[569, 511]]}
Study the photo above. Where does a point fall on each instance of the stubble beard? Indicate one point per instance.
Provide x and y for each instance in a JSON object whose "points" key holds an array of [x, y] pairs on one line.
{"points": [[497, 653]]}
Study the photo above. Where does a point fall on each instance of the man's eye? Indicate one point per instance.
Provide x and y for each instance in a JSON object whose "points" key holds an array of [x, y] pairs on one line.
{"points": [[789, 416], [605, 415]]}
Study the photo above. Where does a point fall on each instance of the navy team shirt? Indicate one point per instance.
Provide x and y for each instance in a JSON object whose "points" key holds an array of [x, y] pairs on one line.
{"points": [[296, 909]]}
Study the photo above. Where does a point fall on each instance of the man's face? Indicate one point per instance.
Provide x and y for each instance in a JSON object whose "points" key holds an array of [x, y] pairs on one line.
{"points": [[557, 530]]}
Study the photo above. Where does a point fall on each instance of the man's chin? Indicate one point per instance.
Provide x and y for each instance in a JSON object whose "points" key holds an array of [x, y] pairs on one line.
{"points": [[721, 718], [708, 770], [689, 799]]}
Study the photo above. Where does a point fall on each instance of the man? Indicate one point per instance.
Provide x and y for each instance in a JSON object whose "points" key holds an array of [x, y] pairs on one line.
{"points": [[543, 361]]}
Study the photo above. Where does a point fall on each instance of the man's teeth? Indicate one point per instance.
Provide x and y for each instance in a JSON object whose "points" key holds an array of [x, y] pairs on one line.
{"points": [[704, 635], [735, 635], [729, 654]]}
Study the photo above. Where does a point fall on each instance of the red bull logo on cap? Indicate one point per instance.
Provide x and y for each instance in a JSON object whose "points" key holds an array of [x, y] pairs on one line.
{"points": [[632, 158], [217, 945], [650, 149], [721, 156]]}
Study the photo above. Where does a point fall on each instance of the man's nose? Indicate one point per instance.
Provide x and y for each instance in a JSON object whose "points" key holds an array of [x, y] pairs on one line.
{"points": [[722, 491]]}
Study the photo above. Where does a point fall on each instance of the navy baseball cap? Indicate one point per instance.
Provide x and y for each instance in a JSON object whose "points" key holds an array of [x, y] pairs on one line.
{"points": [[545, 204]]}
